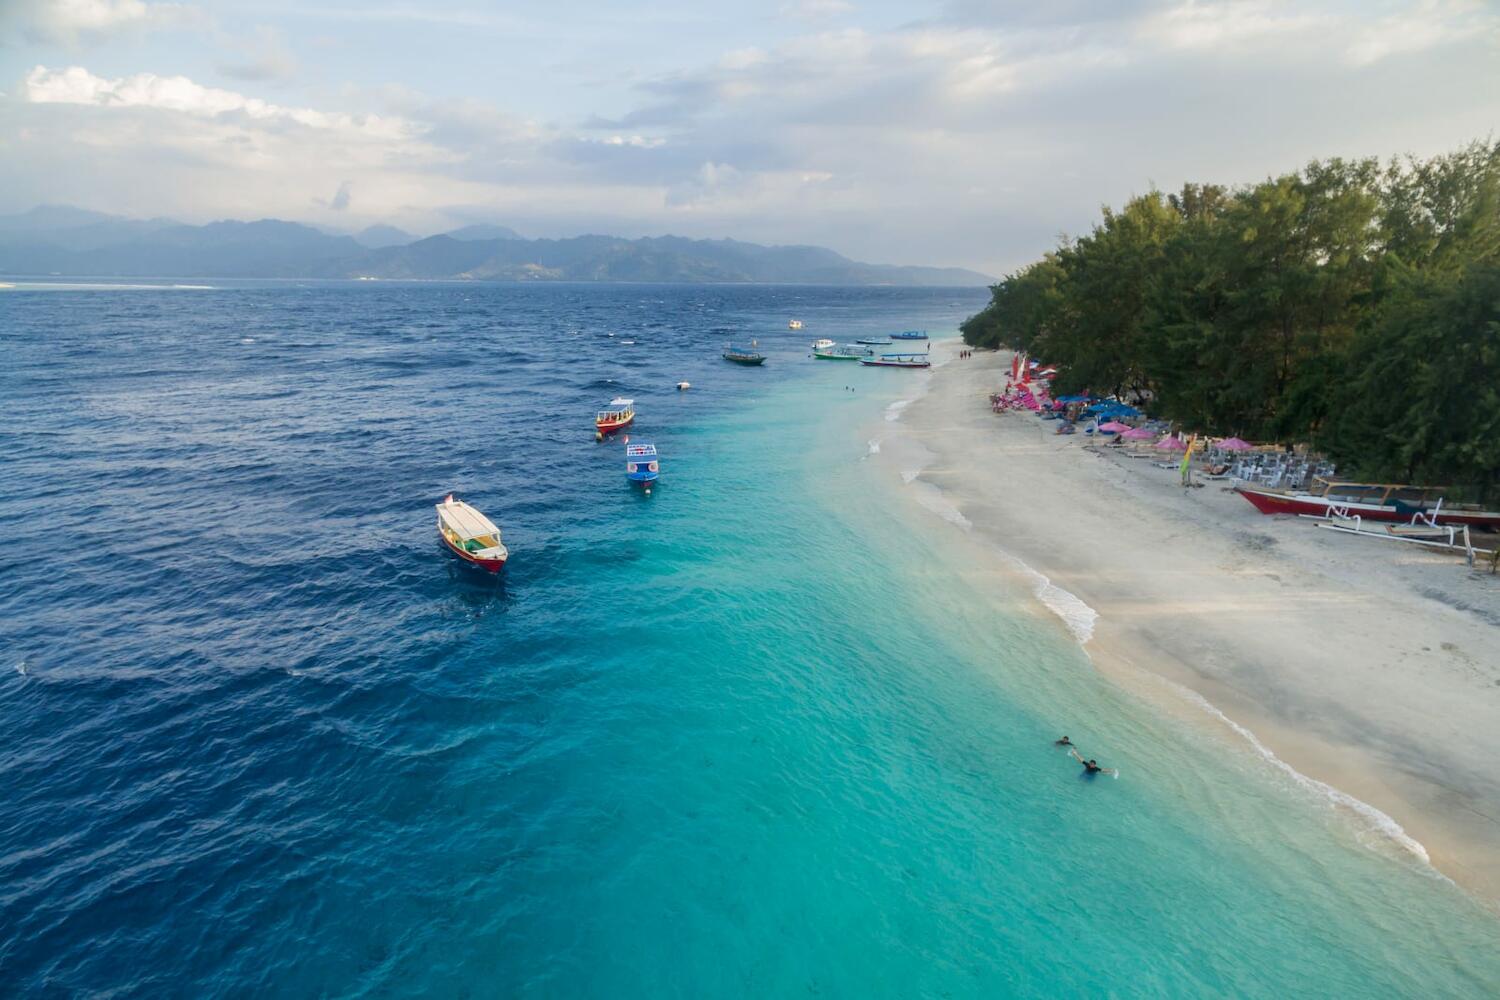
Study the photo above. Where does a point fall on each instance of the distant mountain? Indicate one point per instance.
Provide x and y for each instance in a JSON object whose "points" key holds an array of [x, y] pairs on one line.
{"points": [[378, 237], [69, 228], [484, 232], [60, 240]]}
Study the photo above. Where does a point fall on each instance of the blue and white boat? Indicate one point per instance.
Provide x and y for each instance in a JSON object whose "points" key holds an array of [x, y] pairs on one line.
{"points": [[641, 465], [910, 335]]}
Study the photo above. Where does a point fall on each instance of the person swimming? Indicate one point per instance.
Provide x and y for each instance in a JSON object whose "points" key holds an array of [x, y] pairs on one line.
{"points": [[1064, 742], [1091, 766]]}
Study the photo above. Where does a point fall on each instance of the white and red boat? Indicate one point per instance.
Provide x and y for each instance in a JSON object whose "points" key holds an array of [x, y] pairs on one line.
{"points": [[617, 415], [1370, 502], [470, 535]]}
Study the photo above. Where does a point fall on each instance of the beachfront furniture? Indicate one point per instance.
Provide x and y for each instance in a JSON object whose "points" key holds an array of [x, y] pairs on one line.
{"points": [[470, 535]]}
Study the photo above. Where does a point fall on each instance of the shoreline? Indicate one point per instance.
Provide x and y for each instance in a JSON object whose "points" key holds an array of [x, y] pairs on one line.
{"points": [[1359, 672]]}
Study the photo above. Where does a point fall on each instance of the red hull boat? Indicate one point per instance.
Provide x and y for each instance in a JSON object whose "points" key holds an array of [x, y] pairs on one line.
{"points": [[618, 414], [470, 535], [1370, 502]]}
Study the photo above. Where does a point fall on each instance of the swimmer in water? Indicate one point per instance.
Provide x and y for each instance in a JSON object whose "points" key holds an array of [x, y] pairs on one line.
{"points": [[1091, 766], [1064, 742]]}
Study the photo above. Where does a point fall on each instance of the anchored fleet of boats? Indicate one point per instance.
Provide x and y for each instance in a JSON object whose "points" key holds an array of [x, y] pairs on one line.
{"points": [[475, 539]]}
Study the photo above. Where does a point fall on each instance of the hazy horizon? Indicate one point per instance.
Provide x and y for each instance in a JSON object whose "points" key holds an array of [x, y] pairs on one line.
{"points": [[960, 133]]}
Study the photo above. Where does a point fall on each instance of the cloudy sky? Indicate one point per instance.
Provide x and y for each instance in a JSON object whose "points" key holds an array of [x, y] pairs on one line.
{"points": [[962, 132]]}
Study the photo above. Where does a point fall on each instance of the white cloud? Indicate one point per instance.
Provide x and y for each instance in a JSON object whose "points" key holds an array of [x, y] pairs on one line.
{"points": [[76, 85], [1206, 26], [1425, 26], [816, 10], [72, 21]]}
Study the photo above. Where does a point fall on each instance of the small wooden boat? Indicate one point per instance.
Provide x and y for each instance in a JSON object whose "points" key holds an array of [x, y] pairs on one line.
{"points": [[470, 535], [897, 361], [619, 413], [910, 335], [844, 352], [1369, 502], [641, 465], [795, 324], [744, 355]]}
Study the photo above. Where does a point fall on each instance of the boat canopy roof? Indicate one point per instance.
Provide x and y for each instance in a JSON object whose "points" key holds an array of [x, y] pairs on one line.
{"points": [[640, 451], [465, 521]]}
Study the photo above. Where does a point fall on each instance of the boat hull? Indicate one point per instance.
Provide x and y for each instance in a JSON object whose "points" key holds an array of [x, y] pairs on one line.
{"points": [[1270, 502], [744, 361], [822, 356], [488, 565], [896, 364], [610, 426]]}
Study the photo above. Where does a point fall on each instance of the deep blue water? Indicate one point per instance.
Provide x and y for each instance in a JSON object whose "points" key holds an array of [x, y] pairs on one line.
{"points": [[745, 737]]}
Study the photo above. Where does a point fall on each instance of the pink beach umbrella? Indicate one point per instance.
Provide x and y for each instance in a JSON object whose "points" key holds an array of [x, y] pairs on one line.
{"points": [[1137, 434], [1114, 427], [1234, 444], [1170, 443]]}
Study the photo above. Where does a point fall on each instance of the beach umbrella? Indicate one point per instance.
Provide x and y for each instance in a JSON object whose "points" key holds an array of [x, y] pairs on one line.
{"points": [[1170, 443], [1114, 427], [1234, 444], [1137, 434]]}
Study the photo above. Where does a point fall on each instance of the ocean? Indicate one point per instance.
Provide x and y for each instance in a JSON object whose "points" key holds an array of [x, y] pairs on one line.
{"points": [[773, 730]]}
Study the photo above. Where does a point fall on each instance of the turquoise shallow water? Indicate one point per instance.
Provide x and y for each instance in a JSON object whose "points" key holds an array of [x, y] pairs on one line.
{"points": [[773, 731]]}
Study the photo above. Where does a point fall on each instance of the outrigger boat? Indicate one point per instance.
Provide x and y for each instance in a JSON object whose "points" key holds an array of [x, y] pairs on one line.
{"points": [[1370, 502], [641, 465], [898, 361], [619, 413], [910, 335], [470, 535], [844, 352], [744, 355]]}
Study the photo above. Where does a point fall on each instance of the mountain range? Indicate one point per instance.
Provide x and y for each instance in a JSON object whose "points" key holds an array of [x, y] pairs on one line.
{"points": [[57, 239]]}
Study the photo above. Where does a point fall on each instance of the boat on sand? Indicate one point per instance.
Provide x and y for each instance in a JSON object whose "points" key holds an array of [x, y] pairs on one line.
{"points": [[1369, 502]]}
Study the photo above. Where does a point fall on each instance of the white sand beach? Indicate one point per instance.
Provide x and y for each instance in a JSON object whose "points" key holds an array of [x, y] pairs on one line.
{"points": [[1370, 666]]}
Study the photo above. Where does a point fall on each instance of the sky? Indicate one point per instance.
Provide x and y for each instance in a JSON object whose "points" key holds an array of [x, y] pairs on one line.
{"points": [[960, 133]]}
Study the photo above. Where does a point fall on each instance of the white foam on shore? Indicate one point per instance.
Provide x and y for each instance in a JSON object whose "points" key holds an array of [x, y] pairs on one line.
{"points": [[935, 500], [893, 412], [1065, 604], [874, 447], [1371, 818]]}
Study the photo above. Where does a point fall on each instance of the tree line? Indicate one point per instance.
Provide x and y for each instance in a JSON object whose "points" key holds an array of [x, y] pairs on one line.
{"points": [[1353, 305]]}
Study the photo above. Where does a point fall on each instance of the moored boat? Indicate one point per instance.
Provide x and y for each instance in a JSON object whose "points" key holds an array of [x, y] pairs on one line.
{"points": [[897, 361], [822, 345], [910, 335], [619, 413], [1369, 502], [843, 352], [470, 535], [795, 324], [877, 342], [641, 464], [744, 355]]}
